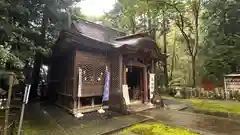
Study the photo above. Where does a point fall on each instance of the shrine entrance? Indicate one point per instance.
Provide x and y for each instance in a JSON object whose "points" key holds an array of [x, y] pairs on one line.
{"points": [[134, 82]]}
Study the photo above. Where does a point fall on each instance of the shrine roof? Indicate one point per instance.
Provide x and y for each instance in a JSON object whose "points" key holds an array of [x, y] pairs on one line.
{"points": [[97, 31], [94, 35], [109, 35]]}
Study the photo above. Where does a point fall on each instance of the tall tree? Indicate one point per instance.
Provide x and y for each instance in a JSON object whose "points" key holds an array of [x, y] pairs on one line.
{"points": [[28, 30], [52, 12], [221, 41], [188, 24]]}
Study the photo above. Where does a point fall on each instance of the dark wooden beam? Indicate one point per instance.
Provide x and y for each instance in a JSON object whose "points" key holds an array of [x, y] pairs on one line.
{"points": [[145, 84], [124, 74]]}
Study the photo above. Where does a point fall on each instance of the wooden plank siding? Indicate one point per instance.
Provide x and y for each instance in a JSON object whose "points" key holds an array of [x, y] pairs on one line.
{"points": [[93, 64], [62, 79]]}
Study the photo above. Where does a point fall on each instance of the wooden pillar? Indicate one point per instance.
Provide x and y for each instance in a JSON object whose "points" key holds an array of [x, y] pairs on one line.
{"points": [[142, 86], [152, 67], [78, 102], [124, 75], [92, 102], [155, 72], [145, 84]]}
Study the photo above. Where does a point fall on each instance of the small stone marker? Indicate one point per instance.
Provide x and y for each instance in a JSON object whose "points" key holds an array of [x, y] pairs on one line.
{"points": [[78, 115], [101, 110]]}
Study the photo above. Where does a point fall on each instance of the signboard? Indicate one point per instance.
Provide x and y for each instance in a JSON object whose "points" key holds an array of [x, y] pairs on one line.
{"points": [[151, 84], [126, 94], [232, 83], [79, 82]]}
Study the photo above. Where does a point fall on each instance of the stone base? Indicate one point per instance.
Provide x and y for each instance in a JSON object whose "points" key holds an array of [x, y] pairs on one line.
{"points": [[78, 115], [101, 110]]}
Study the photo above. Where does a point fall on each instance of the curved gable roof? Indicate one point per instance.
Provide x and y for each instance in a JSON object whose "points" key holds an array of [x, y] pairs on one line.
{"points": [[104, 37], [96, 31]]}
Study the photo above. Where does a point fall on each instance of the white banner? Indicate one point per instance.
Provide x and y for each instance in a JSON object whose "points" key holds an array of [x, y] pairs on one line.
{"points": [[151, 84], [126, 94], [79, 82], [106, 86]]}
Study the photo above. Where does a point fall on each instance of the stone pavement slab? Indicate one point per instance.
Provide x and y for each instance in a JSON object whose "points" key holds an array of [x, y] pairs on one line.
{"points": [[205, 124], [92, 123], [51, 120], [108, 126], [36, 122], [174, 104]]}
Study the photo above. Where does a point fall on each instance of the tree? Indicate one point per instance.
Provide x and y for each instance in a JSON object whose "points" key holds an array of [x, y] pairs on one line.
{"points": [[53, 12], [29, 29], [188, 27], [221, 41], [141, 16]]}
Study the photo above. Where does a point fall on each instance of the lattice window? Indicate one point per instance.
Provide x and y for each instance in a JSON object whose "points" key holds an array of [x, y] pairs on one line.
{"points": [[87, 73], [100, 74]]}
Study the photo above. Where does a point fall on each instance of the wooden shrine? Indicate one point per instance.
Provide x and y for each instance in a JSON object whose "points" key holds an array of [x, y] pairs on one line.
{"points": [[84, 52]]}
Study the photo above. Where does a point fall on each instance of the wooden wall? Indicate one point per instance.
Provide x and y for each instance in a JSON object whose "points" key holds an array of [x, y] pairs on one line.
{"points": [[93, 73], [61, 81], [93, 65]]}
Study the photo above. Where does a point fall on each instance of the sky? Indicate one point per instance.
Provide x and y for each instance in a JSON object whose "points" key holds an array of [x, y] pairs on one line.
{"points": [[96, 7]]}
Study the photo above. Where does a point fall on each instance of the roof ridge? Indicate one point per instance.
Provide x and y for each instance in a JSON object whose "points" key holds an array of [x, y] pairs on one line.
{"points": [[100, 25], [142, 34]]}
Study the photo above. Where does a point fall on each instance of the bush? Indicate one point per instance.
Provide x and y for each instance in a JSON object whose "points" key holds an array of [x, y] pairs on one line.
{"points": [[236, 95], [211, 95]]}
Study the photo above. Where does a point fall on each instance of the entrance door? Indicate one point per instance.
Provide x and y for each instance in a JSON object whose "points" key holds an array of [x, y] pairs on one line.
{"points": [[134, 82]]}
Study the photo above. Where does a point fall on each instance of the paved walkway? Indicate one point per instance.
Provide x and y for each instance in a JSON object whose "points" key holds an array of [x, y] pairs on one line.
{"points": [[37, 122], [51, 120], [204, 124]]}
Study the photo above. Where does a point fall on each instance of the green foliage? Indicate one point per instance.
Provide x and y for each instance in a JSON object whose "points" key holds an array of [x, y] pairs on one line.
{"points": [[30, 27], [7, 57], [156, 129], [221, 47]]}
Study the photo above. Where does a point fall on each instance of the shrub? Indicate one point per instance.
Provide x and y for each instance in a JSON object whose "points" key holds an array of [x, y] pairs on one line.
{"points": [[236, 95]]}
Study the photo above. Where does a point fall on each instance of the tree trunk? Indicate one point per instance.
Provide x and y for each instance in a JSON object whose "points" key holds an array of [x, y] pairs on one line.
{"points": [[133, 25], [194, 71], [149, 21], [173, 56], [195, 50], [36, 77], [38, 59], [165, 50]]}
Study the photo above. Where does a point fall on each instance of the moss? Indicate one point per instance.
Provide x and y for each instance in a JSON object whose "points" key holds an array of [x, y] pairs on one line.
{"points": [[216, 106], [156, 129], [212, 105]]}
